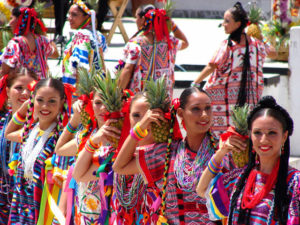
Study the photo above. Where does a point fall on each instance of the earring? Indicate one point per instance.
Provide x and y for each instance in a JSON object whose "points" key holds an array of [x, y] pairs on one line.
{"points": [[282, 150]]}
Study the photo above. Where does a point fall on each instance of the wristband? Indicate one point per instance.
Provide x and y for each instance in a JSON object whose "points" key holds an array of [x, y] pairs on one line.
{"points": [[193, 84], [91, 147], [213, 167], [71, 129], [18, 119]]}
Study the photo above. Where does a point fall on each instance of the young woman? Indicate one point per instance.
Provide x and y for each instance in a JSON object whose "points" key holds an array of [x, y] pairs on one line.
{"points": [[266, 191], [29, 48], [152, 51], [38, 138], [237, 76], [174, 168], [13, 89], [86, 47]]}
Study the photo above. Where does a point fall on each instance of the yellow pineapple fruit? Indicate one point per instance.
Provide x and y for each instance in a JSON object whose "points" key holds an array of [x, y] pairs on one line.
{"points": [[158, 97], [239, 119], [85, 86], [111, 97], [255, 16]]}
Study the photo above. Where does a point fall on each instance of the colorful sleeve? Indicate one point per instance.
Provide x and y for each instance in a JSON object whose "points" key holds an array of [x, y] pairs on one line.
{"points": [[218, 194], [294, 192], [221, 55], [151, 161], [11, 54], [263, 50], [102, 42], [176, 42], [131, 52], [46, 46]]}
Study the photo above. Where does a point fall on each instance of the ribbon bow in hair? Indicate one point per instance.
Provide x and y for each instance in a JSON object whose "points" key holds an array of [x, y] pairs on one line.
{"points": [[3, 92]]}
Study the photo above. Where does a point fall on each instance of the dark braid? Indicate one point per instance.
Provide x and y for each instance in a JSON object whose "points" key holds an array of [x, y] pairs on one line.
{"points": [[267, 106], [29, 117]]}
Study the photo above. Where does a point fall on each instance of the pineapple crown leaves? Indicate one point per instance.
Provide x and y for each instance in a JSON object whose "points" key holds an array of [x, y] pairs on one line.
{"points": [[111, 94], [239, 118], [157, 94], [85, 84], [169, 7], [255, 14]]}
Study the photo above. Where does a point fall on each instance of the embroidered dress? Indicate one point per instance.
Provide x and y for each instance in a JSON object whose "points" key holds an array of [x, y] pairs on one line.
{"points": [[183, 205], [27, 192], [18, 54], [223, 186], [141, 53], [7, 150], [81, 51], [224, 84]]}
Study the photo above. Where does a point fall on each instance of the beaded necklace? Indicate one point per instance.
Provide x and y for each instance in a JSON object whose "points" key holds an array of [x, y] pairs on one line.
{"points": [[187, 174], [129, 198]]}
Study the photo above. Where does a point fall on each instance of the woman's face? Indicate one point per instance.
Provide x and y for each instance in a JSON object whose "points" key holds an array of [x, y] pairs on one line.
{"points": [[76, 17], [197, 114], [139, 20], [47, 105], [268, 137], [99, 109], [18, 93], [13, 22], [138, 109], [229, 23]]}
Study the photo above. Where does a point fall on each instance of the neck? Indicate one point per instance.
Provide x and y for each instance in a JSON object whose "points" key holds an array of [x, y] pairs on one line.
{"points": [[194, 141], [44, 125], [266, 165]]}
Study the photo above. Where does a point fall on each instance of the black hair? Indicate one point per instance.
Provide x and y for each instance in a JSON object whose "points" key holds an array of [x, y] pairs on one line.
{"points": [[239, 15], [50, 82], [144, 9], [186, 94], [268, 106]]}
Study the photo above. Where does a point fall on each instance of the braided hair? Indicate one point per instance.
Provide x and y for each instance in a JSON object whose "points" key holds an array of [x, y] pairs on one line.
{"points": [[58, 86], [267, 106]]}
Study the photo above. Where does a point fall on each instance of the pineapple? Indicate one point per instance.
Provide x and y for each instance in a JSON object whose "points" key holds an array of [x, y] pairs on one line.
{"points": [[239, 119], [157, 96], [169, 7], [255, 17], [111, 96], [85, 86]]}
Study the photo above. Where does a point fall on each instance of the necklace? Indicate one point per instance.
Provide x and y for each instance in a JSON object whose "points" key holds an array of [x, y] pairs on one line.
{"points": [[188, 173], [249, 199]]}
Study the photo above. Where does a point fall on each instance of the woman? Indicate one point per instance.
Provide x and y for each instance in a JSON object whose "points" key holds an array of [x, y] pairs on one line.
{"points": [[266, 191], [174, 168], [151, 52], [86, 47], [237, 69], [30, 48], [14, 88], [37, 149]]}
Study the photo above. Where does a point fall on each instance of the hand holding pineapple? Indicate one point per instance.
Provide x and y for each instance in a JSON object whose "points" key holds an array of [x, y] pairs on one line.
{"points": [[152, 116], [76, 117], [107, 133]]}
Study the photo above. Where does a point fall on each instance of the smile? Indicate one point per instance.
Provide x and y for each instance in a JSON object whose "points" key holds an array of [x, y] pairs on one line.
{"points": [[203, 123], [45, 112], [265, 148]]}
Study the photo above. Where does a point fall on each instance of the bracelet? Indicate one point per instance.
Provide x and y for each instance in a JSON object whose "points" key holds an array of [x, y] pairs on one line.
{"points": [[144, 133], [137, 133], [174, 28], [193, 84], [91, 147], [18, 119], [213, 167], [133, 135], [71, 129]]}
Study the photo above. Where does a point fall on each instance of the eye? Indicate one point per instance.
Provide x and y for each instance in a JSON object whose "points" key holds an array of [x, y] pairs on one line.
{"points": [[272, 133], [195, 109], [19, 88], [257, 132], [52, 101], [208, 108], [98, 103], [39, 100], [136, 115]]}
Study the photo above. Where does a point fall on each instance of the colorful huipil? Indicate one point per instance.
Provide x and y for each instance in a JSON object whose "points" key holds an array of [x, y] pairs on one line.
{"points": [[28, 190], [81, 51], [223, 186], [7, 151], [17, 54], [151, 60], [183, 205], [224, 84], [90, 199]]}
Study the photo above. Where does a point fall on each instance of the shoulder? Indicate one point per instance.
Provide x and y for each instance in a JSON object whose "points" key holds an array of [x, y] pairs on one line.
{"points": [[293, 178]]}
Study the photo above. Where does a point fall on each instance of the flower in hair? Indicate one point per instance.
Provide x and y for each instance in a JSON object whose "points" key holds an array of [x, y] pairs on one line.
{"points": [[176, 103]]}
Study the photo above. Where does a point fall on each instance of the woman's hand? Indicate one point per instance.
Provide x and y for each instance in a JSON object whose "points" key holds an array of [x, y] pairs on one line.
{"points": [[77, 107], [152, 115], [233, 143], [23, 109], [106, 133]]}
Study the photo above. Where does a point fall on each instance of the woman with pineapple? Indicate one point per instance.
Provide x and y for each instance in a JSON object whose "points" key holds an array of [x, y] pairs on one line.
{"points": [[175, 167], [237, 76], [14, 90], [86, 47], [266, 191], [151, 52], [38, 133]]}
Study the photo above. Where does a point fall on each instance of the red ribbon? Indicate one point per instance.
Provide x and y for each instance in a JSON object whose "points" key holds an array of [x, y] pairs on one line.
{"points": [[31, 85], [87, 101], [176, 103], [231, 131], [167, 115], [31, 14], [3, 94], [69, 90]]}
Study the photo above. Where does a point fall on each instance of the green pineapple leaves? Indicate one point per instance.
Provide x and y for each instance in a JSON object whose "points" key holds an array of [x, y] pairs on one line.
{"points": [[239, 118]]}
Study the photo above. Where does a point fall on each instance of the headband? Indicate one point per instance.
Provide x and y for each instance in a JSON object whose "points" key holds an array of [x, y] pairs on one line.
{"points": [[83, 6]]}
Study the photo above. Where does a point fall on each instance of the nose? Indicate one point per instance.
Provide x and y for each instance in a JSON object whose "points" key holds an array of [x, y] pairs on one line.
{"points": [[264, 138], [26, 92]]}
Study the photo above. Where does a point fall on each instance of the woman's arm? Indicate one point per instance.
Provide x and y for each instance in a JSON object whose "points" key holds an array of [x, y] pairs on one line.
{"points": [[180, 35], [205, 72], [84, 167], [54, 53], [125, 162], [13, 132], [66, 144], [126, 75], [233, 143]]}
